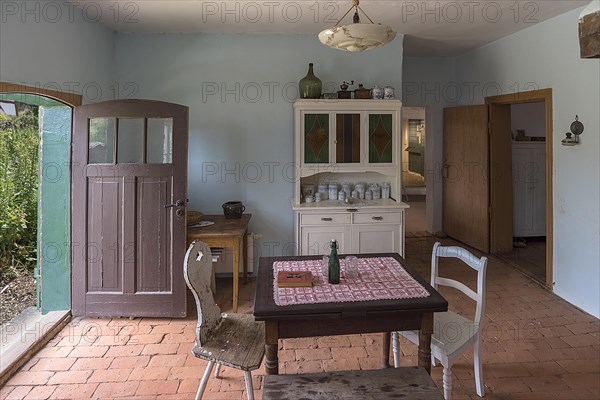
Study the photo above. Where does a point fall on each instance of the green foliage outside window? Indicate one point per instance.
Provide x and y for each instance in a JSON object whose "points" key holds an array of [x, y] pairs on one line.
{"points": [[19, 140]]}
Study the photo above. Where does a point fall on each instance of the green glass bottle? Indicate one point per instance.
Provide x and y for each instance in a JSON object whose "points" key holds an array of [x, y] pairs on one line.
{"points": [[334, 265], [310, 85]]}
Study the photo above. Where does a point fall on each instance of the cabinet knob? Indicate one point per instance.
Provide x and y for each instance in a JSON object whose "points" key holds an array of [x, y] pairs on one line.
{"points": [[326, 219], [377, 218]]}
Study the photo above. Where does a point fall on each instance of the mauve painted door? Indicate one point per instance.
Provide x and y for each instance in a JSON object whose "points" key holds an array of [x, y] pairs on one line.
{"points": [[129, 178]]}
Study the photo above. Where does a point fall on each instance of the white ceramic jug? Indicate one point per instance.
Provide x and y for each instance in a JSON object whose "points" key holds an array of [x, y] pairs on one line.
{"points": [[377, 93], [388, 93]]}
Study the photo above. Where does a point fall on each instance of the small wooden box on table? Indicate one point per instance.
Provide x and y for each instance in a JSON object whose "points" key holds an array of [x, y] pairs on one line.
{"points": [[227, 233], [408, 382]]}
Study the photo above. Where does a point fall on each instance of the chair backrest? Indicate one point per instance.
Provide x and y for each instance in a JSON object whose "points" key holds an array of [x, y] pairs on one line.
{"points": [[197, 271], [478, 264]]}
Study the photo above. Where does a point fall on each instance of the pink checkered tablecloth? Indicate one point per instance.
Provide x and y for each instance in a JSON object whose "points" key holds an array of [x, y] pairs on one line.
{"points": [[380, 278]]}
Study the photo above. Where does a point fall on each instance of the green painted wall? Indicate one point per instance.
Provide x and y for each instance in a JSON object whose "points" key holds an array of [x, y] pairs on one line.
{"points": [[54, 209]]}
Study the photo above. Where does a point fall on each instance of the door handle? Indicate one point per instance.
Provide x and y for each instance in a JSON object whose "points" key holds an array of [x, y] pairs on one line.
{"points": [[178, 203]]}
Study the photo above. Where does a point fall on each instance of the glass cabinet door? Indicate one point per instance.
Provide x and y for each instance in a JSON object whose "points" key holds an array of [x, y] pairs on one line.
{"points": [[316, 138], [347, 138], [381, 138]]}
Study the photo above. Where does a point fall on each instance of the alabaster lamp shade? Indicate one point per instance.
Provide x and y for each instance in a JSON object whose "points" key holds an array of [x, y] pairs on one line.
{"points": [[357, 37]]}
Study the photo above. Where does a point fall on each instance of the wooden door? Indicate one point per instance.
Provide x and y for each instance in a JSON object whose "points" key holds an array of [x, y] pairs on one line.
{"points": [[501, 206], [465, 180], [129, 195]]}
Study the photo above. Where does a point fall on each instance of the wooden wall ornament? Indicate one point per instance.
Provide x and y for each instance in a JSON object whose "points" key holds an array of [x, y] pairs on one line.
{"points": [[589, 31]]}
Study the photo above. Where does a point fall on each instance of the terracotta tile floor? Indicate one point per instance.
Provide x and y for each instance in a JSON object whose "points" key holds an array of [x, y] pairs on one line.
{"points": [[530, 259], [536, 346]]}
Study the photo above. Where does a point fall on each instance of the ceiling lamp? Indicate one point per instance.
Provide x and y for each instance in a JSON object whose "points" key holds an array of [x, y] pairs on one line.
{"points": [[357, 36]]}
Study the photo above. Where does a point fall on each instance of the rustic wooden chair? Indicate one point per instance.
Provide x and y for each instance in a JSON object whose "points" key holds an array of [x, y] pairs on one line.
{"points": [[234, 340], [454, 334]]}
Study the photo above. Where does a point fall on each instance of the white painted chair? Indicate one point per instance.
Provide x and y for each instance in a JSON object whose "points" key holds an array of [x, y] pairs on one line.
{"points": [[454, 334], [234, 340]]}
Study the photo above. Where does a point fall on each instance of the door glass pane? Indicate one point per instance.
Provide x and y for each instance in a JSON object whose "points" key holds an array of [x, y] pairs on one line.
{"points": [[380, 138], [347, 138], [101, 139], [159, 147], [316, 138], [130, 148]]}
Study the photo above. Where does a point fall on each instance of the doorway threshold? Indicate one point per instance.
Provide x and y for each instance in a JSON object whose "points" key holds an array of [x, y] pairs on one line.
{"points": [[520, 268], [24, 335]]}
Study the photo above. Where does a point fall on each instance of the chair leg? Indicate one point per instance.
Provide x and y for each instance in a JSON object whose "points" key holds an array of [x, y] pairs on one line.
{"points": [[479, 386], [396, 349], [447, 379], [217, 370], [249, 389], [204, 380]]}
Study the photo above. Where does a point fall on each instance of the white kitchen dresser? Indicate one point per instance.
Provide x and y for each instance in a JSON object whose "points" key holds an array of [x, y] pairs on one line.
{"points": [[348, 141]]}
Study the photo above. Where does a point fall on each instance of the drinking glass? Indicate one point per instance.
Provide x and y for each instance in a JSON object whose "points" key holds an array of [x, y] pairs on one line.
{"points": [[325, 267], [351, 267]]}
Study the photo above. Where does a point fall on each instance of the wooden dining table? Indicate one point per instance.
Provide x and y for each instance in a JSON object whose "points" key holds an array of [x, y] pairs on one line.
{"points": [[344, 318]]}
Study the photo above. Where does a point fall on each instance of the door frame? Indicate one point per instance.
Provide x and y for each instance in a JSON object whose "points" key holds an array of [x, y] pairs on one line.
{"points": [[536, 96], [70, 99]]}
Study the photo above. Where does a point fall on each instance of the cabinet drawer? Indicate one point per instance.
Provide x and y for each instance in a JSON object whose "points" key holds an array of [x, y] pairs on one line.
{"points": [[325, 219], [378, 218]]}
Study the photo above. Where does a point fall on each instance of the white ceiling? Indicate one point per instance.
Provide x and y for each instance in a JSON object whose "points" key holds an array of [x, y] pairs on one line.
{"points": [[432, 28]]}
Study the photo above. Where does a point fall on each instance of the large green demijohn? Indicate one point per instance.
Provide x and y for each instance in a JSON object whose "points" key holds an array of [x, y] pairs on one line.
{"points": [[310, 86]]}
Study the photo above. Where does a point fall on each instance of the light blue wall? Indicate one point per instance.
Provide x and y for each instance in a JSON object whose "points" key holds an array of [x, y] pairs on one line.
{"points": [[52, 45], [240, 90], [547, 56]]}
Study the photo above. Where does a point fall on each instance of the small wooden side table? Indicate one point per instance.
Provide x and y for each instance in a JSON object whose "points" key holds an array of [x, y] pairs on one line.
{"points": [[227, 233]]}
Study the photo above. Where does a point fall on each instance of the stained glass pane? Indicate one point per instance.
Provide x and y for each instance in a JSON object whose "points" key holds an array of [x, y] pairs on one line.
{"points": [[316, 138], [347, 138], [380, 138]]}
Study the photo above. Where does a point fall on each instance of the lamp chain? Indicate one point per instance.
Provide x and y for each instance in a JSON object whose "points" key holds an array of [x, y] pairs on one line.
{"points": [[356, 6]]}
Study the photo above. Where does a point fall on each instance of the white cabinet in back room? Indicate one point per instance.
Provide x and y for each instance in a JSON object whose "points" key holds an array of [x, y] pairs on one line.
{"points": [[529, 188]]}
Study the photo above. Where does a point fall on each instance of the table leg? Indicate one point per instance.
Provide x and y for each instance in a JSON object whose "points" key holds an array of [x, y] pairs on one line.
{"points": [[271, 347], [236, 273], [245, 260], [385, 355], [425, 341]]}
